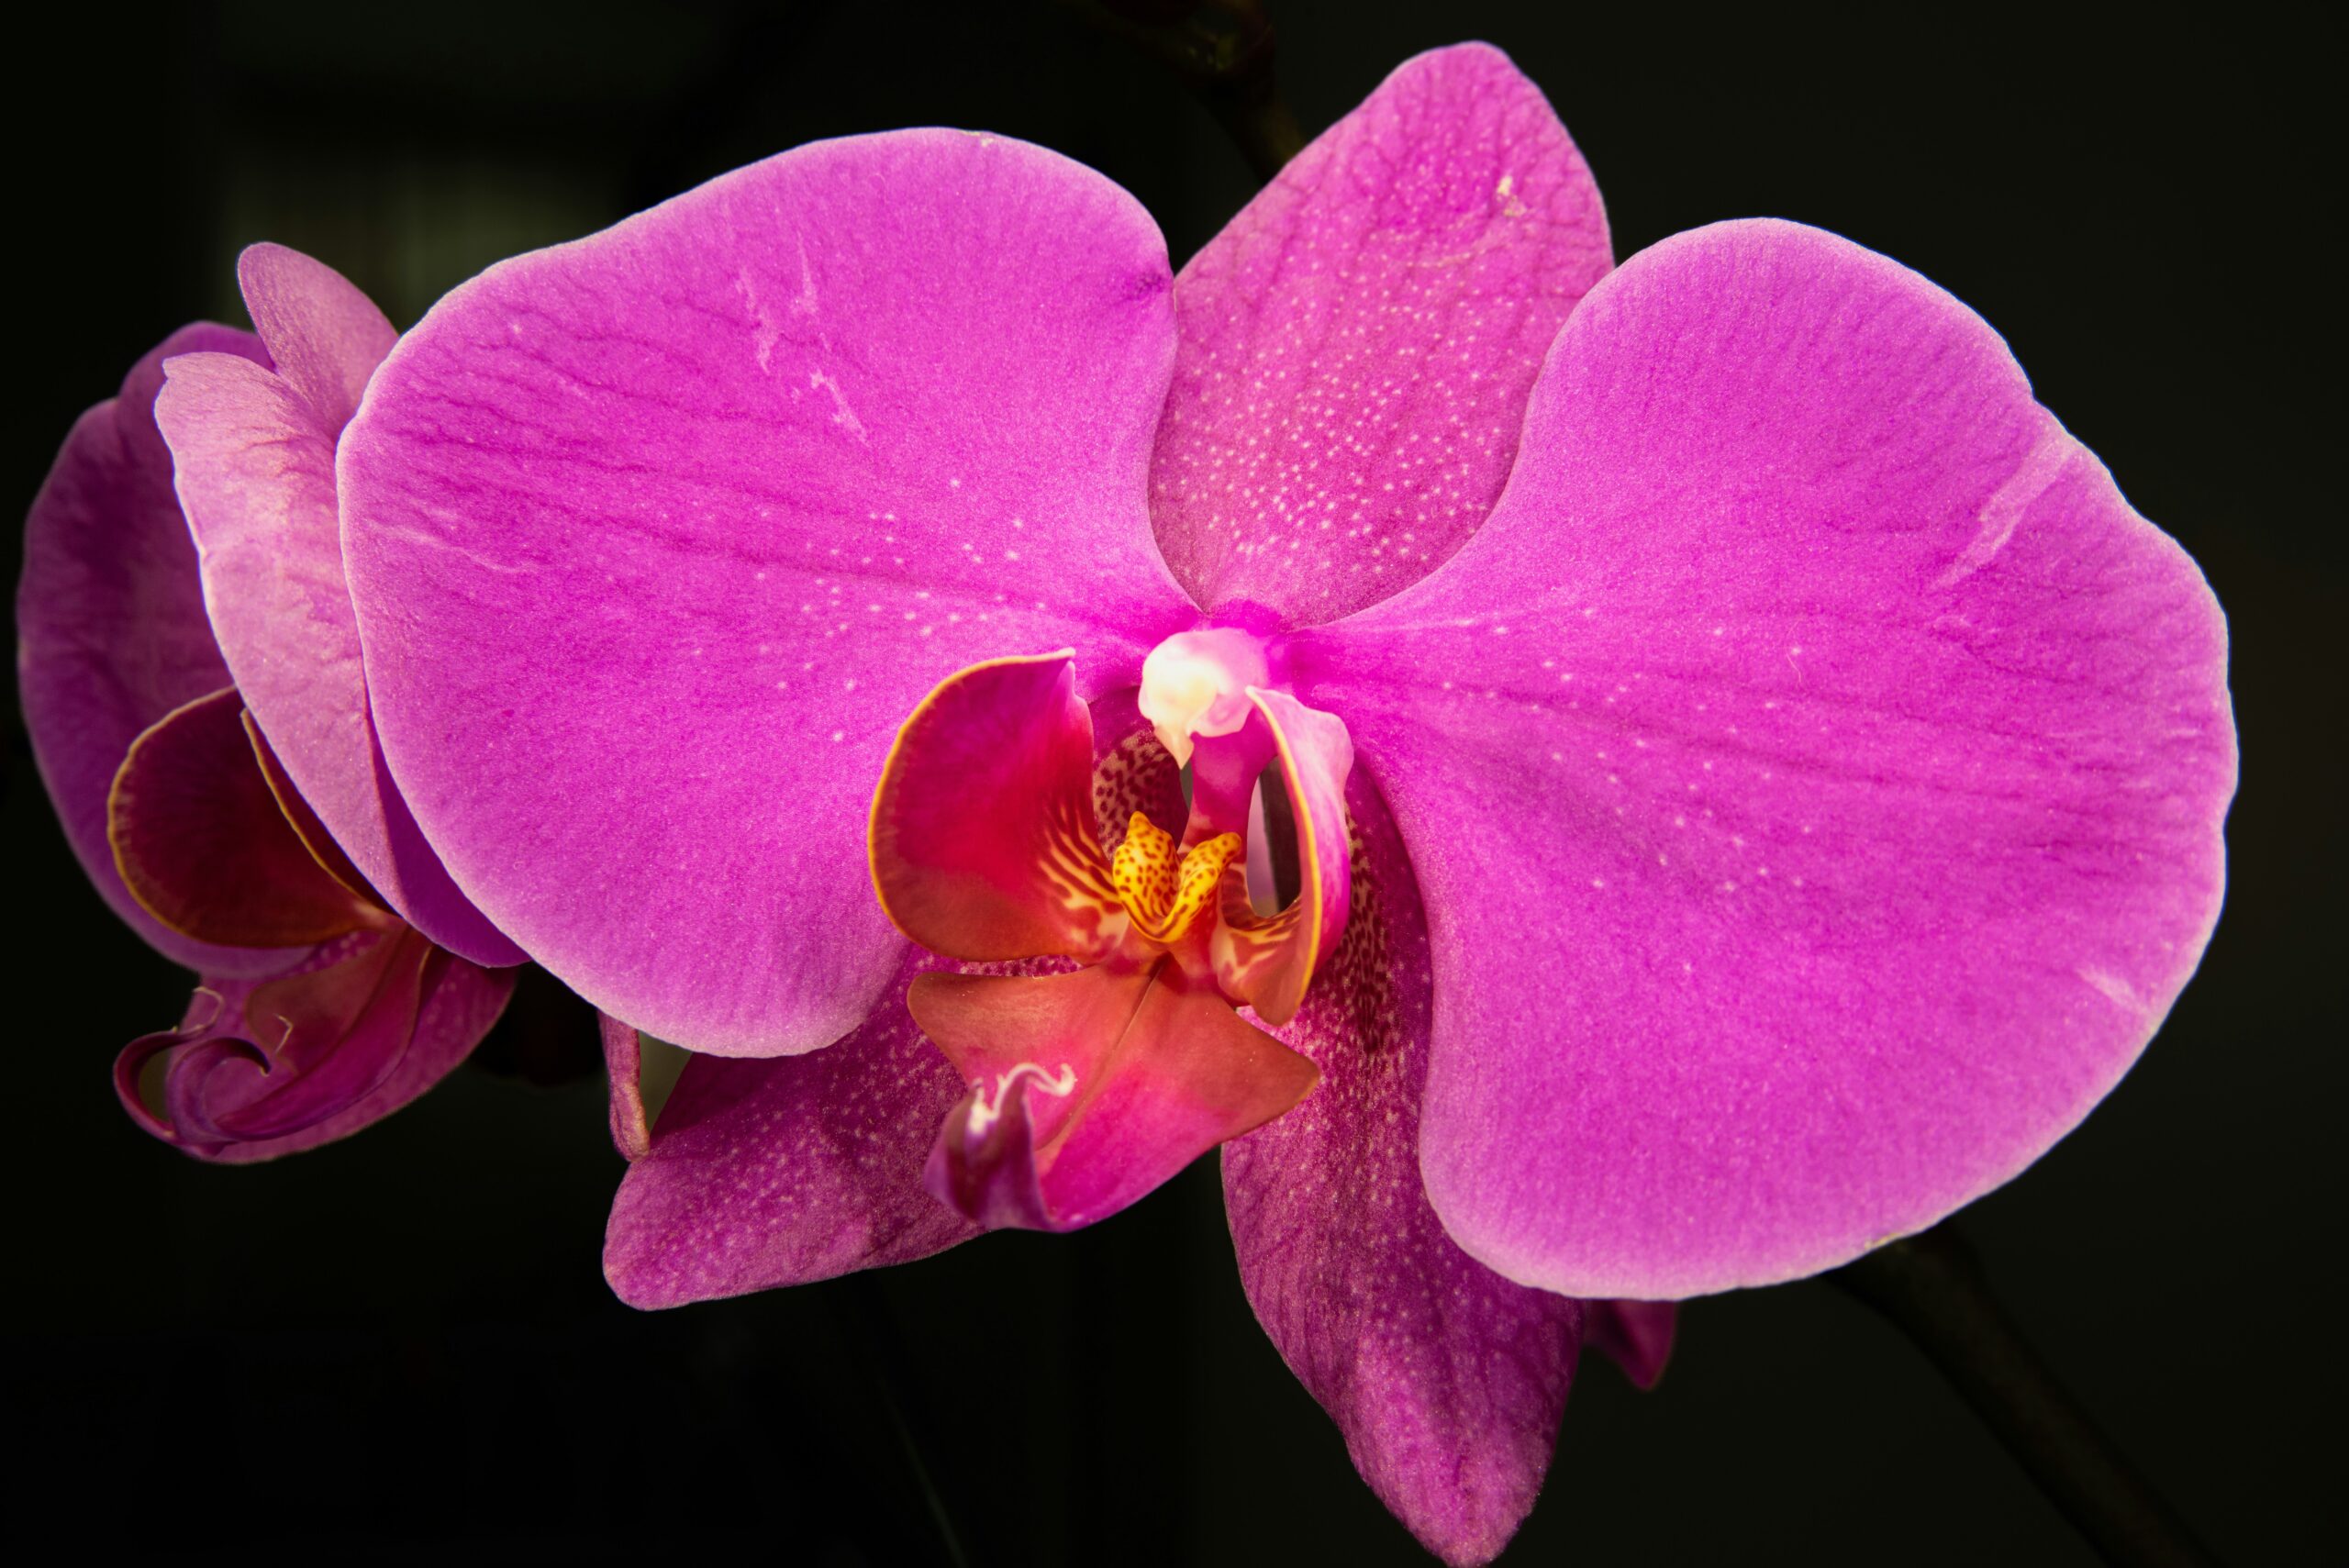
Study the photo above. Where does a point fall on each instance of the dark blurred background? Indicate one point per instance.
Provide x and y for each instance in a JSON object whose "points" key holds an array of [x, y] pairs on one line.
{"points": [[402, 1347]]}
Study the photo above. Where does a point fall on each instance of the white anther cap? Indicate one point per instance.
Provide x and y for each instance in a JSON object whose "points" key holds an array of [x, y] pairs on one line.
{"points": [[1195, 683]]}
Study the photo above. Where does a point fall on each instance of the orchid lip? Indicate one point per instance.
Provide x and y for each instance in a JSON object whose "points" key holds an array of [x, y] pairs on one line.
{"points": [[985, 844], [986, 1110], [990, 842], [1165, 890]]}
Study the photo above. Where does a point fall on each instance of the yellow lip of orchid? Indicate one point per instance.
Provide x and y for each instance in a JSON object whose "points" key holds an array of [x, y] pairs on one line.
{"points": [[1164, 888]]}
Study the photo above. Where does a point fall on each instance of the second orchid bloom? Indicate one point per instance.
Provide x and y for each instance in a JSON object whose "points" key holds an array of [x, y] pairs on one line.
{"points": [[193, 686]]}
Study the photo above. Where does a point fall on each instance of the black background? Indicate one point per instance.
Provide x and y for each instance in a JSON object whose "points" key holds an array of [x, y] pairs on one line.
{"points": [[401, 1347]]}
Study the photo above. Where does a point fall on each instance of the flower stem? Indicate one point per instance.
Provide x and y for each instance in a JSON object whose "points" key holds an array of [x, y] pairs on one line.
{"points": [[1223, 51], [1933, 1288], [864, 1315]]}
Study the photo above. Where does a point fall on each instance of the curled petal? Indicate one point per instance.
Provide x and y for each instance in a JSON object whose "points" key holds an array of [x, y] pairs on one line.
{"points": [[982, 840], [207, 1006], [1814, 768], [202, 843], [255, 471], [259, 1070], [328, 1038], [1268, 960], [111, 629], [1446, 1380], [1088, 1090], [1358, 343], [656, 538], [983, 1166], [188, 1085]]}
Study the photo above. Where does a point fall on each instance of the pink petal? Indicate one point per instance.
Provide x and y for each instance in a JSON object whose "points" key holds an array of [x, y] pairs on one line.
{"points": [[1446, 1379], [1089, 1090], [983, 837], [782, 1172], [1358, 344], [657, 538], [201, 842], [256, 475], [325, 336], [1814, 771], [1268, 962], [110, 626], [257, 1071]]}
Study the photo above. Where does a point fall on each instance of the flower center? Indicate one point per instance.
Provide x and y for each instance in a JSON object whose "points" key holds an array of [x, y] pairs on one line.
{"points": [[1164, 888], [1089, 1087]]}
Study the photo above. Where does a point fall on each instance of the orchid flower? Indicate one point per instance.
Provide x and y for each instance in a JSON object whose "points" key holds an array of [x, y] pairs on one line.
{"points": [[1756, 783], [192, 684]]}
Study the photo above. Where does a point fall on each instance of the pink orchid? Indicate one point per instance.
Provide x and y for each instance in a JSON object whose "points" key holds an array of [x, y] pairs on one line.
{"points": [[1757, 783], [192, 684]]}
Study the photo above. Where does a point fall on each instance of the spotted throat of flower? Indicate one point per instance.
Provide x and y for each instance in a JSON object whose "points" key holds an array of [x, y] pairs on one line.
{"points": [[1089, 1088]]}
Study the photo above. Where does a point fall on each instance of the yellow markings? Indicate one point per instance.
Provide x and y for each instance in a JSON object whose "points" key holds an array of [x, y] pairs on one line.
{"points": [[1164, 889]]}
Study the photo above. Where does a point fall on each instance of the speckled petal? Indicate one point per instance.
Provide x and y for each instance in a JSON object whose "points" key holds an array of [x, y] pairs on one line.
{"points": [[658, 537], [1446, 1379], [110, 626], [255, 455], [766, 1174], [257, 1070], [1814, 771], [201, 842], [1357, 345]]}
